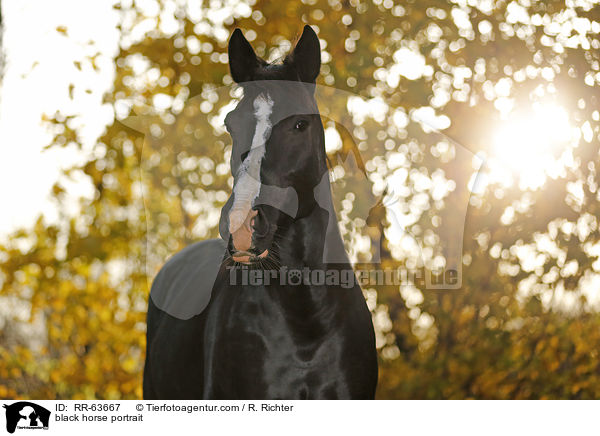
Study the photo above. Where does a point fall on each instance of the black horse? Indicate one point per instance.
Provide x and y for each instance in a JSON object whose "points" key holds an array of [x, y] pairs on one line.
{"points": [[282, 321]]}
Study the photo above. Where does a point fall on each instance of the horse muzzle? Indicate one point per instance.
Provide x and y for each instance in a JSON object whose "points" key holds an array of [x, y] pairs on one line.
{"points": [[243, 236]]}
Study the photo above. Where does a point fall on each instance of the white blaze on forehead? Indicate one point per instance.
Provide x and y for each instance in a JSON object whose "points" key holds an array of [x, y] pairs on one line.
{"points": [[247, 186]]}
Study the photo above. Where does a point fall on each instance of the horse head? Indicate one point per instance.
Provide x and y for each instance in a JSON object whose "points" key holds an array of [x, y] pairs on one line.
{"points": [[278, 157]]}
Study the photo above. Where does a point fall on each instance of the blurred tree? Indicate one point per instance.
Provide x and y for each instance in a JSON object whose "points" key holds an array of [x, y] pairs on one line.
{"points": [[1, 46], [524, 323]]}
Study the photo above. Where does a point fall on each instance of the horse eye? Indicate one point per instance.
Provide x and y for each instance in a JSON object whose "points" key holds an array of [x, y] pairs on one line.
{"points": [[301, 125]]}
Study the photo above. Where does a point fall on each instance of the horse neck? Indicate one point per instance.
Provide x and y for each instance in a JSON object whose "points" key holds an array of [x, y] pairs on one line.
{"points": [[307, 235], [303, 244]]}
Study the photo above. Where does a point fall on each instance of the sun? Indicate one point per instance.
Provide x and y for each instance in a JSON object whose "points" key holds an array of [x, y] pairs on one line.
{"points": [[529, 143]]}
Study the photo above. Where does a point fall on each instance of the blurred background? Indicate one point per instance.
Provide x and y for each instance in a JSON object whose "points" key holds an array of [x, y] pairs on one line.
{"points": [[466, 131]]}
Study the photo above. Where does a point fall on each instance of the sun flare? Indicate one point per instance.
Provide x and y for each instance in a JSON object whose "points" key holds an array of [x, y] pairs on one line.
{"points": [[529, 142]]}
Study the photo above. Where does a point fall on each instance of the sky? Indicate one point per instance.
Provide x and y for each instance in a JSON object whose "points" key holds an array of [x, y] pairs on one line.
{"points": [[39, 68]]}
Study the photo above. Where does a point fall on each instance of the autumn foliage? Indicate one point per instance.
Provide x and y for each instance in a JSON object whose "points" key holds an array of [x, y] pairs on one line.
{"points": [[524, 323]]}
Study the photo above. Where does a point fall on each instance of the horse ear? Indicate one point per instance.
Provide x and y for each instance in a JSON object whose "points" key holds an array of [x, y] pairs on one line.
{"points": [[242, 59], [306, 56]]}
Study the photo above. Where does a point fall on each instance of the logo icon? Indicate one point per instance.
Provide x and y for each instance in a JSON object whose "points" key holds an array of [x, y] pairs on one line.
{"points": [[26, 415]]}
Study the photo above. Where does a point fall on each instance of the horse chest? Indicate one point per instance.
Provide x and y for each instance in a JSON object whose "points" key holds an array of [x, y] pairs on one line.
{"points": [[266, 349]]}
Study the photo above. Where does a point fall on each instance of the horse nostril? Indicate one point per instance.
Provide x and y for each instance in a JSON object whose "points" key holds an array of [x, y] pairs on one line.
{"points": [[260, 224]]}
